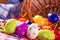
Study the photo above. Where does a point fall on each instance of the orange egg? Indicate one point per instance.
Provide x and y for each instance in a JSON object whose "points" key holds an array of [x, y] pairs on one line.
{"points": [[46, 22], [41, 21]]}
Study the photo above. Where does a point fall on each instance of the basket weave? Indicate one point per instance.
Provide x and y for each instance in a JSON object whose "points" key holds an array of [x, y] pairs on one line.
{"points": [[3, 1], [31, 8]]}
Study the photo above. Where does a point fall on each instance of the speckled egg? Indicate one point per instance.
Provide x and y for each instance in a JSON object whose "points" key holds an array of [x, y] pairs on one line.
{"points": [[32, 31]]}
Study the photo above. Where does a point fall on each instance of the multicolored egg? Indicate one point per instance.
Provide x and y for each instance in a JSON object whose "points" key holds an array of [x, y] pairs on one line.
{"points": [[32, 31], [46, 35], [21, 29]]}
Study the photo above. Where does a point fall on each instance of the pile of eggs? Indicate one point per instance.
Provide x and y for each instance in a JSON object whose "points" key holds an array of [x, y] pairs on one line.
{"points": [[39, 30]]}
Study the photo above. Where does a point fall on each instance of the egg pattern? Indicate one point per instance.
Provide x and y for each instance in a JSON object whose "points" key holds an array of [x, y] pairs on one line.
{"points": [[32, 31]]}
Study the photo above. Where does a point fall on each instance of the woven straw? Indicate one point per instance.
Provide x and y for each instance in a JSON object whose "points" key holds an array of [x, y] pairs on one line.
{"points": [[31, 8], [3, 1]]}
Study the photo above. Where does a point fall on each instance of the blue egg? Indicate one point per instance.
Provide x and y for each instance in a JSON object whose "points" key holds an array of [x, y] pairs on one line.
{"points": [[53, 17], [29, 22]]}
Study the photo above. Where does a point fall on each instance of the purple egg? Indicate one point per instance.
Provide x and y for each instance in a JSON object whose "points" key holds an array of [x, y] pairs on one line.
{"points": [[21, 29]]}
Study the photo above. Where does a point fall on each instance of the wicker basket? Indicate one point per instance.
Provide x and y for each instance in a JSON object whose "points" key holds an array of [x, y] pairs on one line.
{"points": [[31, 8], [3, 1]]}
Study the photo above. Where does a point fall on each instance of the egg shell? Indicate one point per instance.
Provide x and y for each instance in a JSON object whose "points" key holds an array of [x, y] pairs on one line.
{"points": [[21, 29], [53, 17], [38, 19], [28, 22], [46, 34], [41, 21], [46, 22], [10, 26], [32, 31]]}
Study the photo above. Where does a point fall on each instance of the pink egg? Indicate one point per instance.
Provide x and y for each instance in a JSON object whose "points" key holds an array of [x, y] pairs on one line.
{"points": [[21, 29]]}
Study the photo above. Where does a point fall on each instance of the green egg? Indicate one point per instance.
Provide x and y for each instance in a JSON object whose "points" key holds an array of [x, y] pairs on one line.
{"points": [[10, 26], [46, 35]]}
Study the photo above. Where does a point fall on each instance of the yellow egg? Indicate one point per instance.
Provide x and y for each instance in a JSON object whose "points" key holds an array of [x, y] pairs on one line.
{"points": [[41, 21], [38, 19]]}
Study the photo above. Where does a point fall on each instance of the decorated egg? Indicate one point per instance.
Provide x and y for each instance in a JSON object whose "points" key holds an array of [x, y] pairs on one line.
{"points": [[32, 31], [53, 17], [46, 22], [41, 21], [38, 19], [21, 29], [46, 35], [10, 26]]}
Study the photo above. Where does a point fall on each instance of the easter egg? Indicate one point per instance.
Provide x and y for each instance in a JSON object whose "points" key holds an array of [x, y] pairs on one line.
{"points": [[32, 31], [10, 26], [28, 22], [53, 17], [46, 35], [38, 19], [21, 29], [46, 22], [41, 21]]}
